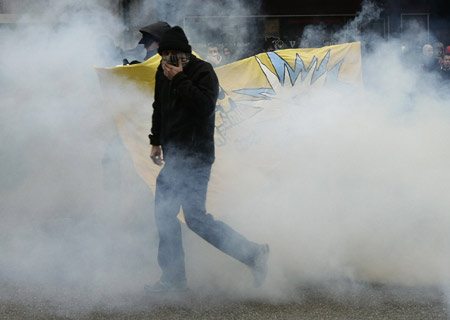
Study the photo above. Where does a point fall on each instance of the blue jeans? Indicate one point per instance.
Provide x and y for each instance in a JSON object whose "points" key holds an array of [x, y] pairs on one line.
{"points": [[184, 184]]}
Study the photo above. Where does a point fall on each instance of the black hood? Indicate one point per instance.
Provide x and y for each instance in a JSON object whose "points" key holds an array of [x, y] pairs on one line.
{"points": [[154, 31]]}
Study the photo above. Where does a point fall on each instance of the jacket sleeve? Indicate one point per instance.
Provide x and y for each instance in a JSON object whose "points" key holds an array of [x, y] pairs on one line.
{"points": [[156, 116], [201, 91]]}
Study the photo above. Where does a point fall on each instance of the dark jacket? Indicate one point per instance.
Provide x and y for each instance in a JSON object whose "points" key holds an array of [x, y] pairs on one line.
{"points": [[183, 118], [445, 74]]}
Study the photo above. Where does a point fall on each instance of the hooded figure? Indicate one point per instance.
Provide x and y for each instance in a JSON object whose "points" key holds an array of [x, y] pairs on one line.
{"points": [[182, 138], [151, 36]]}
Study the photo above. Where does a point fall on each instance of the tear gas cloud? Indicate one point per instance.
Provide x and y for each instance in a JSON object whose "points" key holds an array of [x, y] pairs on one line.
{"points": [[358, 193]]}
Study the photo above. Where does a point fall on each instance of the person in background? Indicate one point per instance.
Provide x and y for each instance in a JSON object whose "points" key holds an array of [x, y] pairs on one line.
{"points": [[447, 49], [445, 68], [439, 52], [151, 35], [182, 140], [428, 62], [228, 56], [214, 57]]}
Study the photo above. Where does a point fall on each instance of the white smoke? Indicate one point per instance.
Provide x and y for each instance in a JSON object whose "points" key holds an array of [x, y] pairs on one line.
{"points": [[356, 189], [320, 35], [66, 221], [348, 185], [75, 216]]}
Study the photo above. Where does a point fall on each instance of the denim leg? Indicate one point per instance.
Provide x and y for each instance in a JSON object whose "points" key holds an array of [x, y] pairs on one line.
{"points": [[202, 223], [167, 207]]}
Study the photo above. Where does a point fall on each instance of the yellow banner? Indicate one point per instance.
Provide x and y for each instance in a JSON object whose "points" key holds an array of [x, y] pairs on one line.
{"points": [[253, 92]]}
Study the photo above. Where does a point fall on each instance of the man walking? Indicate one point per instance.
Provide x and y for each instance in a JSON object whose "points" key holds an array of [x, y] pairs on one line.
{"points": [[182, 138]]}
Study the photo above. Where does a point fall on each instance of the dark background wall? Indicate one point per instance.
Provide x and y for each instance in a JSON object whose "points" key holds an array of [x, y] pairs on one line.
{"points": [[394, 17], [287, 7], [280, 18], [305, 7]]}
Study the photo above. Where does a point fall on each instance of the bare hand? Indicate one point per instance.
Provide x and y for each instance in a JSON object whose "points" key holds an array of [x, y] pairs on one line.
{"points": [[156, 155], [171, 71]]}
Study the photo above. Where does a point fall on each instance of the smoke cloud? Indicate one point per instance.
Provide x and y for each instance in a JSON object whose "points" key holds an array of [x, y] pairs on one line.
{"points": [[358, 194]]}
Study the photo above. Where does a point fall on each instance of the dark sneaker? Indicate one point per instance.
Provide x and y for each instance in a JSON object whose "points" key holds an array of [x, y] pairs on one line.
{"points": [[259, 269], [162, 287]]}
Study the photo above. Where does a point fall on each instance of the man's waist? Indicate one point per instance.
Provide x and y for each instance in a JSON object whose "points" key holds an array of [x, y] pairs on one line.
{"points": [[176, 151]]}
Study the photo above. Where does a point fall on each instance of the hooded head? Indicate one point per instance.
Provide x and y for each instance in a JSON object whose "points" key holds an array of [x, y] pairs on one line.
{"points": [[153, 32], [174, 39]]}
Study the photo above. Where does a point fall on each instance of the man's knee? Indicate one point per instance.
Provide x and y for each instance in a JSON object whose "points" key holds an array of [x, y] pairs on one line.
{"points": [[196, 220]]}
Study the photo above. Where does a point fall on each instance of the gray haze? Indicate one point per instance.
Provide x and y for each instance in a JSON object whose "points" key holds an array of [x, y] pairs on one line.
{"points": [[359, 194]]}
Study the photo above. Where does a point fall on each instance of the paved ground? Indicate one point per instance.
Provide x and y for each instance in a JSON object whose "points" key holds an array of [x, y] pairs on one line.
{"points": [[378, 302]]}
